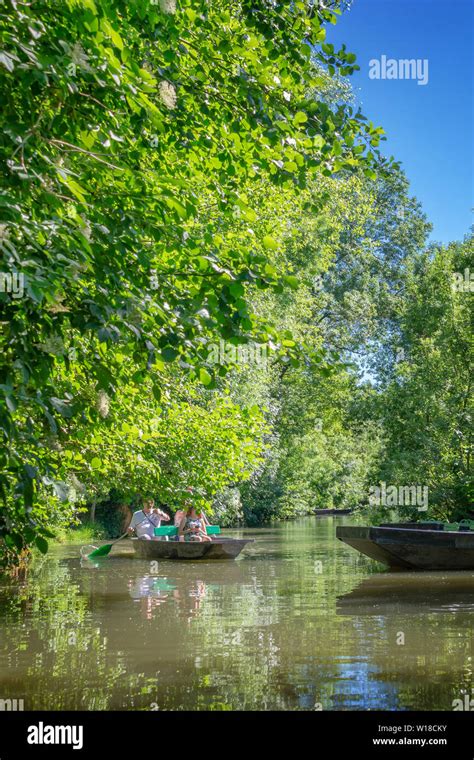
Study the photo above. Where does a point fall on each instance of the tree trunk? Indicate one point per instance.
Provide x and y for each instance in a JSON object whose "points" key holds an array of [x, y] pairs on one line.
{"points": [[92, 512]]}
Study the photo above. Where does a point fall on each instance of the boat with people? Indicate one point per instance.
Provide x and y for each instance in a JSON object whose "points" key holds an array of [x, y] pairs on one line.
{"points": [[430, 545], [219, 547], [165, 545], [190, 537]]}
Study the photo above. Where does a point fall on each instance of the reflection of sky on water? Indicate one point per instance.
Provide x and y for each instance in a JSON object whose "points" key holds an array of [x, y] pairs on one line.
{"points": [[358, 688]]}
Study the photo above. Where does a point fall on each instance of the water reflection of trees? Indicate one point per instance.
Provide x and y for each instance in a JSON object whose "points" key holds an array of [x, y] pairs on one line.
{"points": [[51, 642], [275, 631]]}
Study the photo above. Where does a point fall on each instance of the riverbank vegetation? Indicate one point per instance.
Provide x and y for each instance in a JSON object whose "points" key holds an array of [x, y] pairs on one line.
{"points": [[221, 282]]}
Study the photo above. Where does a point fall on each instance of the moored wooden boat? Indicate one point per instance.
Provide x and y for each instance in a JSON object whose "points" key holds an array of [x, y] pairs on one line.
{"points": [[412, 546], [333, 512], [221, 548]]}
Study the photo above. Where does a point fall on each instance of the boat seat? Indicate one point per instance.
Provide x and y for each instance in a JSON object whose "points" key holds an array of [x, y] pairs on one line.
{"points": [[466, 525], [454, 527], [172, 530], [166, 530]]}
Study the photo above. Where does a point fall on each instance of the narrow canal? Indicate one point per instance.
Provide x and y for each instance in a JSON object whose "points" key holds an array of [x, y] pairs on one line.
{"points": [[299, 622]]}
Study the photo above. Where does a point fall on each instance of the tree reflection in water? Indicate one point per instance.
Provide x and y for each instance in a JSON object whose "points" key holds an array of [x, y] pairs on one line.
{"points": [[302, 622]]}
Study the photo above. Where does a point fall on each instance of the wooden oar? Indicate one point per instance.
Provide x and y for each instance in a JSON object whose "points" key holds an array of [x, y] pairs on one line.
{"points": [[102, 551]]}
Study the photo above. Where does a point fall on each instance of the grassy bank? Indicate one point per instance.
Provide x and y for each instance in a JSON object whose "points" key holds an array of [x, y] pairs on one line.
{"points": [[84, 533]]}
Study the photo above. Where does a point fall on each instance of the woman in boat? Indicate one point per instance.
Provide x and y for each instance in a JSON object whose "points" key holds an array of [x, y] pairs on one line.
{"points": [[193, 526], [178, 517], [181, 512]]}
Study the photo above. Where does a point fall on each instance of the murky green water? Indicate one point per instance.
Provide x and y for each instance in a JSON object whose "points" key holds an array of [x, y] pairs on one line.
{"points": [[300, 621]]}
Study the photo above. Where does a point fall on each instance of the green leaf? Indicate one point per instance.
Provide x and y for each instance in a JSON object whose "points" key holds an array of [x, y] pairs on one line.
{"points": [[291, 280], [204, 376], [300, 117], [42, 544], [169, 353], [61, 406], [74, 187], [270, 243], [237, 289]]}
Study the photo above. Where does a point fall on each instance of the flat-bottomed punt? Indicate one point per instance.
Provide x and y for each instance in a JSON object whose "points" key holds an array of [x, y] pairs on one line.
{"points": [[221, 548], [332, 512], [414, 546]]}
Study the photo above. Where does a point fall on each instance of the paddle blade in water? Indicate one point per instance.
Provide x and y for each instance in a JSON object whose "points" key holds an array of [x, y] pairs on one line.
{"points": [[86, 550], [102, 551]]}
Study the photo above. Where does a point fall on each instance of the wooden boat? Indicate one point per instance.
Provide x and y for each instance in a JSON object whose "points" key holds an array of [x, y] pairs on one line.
{"points": [[220, 548], [412, 546], [333, 512]]}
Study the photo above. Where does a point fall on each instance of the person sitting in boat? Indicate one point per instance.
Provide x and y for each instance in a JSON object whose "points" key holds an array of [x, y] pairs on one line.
{"points": [[145, 520], [181, 512], [178, 517], [193, 526]]}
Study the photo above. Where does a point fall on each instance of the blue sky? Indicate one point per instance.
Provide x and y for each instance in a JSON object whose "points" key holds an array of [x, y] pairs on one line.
{"points": [[429, 127]]}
